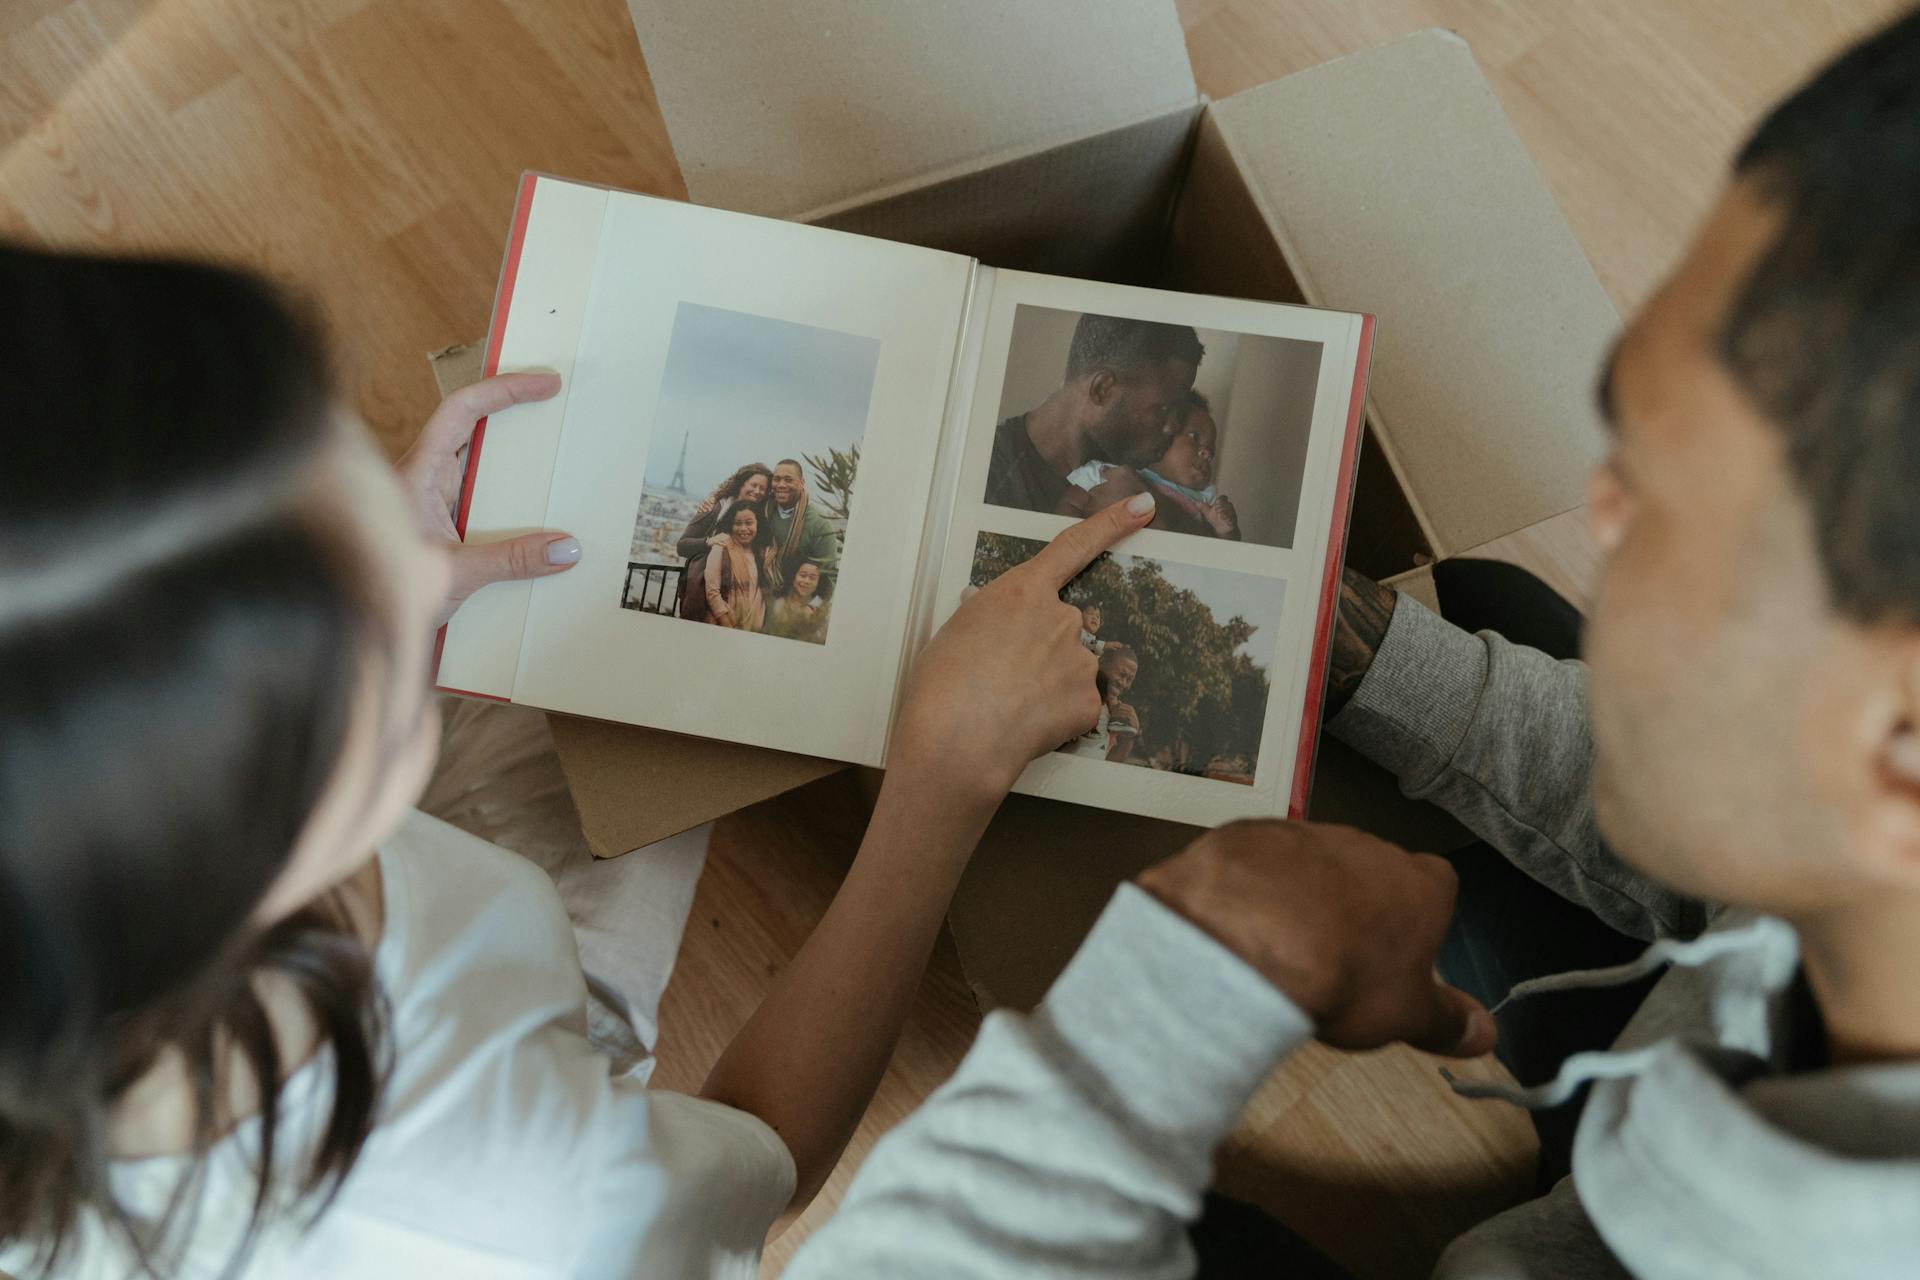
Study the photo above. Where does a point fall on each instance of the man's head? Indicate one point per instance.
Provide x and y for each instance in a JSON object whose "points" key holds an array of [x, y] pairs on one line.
{"points": [[1189, 457], [1129, 375], [1755, 642], [1120, 667], [1090, 618], [789, 482]]}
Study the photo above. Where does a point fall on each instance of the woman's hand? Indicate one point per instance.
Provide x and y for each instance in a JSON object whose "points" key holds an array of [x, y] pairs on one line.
{"points": [[719, 539], [431, 472], [1003, 681], [1007, 679]]}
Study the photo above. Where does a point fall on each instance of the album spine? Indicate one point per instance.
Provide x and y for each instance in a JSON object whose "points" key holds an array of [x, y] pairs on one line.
{"points": [[1303, 760]]}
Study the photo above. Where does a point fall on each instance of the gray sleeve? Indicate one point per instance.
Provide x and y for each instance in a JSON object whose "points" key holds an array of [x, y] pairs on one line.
{"points": [[1498, 736], [1075, 1142]]}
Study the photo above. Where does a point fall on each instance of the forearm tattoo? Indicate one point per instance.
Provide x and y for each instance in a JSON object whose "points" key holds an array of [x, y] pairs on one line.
{"points": [[1365, 609]]}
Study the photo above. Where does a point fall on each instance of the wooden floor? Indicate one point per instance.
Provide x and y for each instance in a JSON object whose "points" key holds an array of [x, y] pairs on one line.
{"points": [[365, 152]]}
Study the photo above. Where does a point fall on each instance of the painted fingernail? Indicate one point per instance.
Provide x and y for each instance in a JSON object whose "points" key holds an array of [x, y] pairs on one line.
{"points": [[563, 551], [1140, 503]]}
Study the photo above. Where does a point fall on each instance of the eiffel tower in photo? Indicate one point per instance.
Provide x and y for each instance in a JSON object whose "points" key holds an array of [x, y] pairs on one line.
{"points": [[679, 482]]}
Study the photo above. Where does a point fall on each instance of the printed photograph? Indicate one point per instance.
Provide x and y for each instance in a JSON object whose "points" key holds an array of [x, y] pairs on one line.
{"points": [[1096, 409], [750, 478], [1183, 653]]}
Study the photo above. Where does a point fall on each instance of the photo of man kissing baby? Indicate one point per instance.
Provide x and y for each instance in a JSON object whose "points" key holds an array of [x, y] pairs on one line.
{"points": [[1096, 408]]}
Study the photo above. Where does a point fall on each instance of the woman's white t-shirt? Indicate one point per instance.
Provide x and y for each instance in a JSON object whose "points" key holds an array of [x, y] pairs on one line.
{"points": [[506, 1147]]}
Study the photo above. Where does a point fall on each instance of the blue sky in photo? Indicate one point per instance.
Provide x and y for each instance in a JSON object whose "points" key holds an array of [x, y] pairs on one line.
{"points": [[744, 388]]}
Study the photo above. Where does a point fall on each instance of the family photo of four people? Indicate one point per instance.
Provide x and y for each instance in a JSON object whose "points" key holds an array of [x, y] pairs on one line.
{"points": [[759, 557]]}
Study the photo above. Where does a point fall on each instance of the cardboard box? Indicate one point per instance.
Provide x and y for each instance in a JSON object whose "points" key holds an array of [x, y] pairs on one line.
{"points": [[1069, 138]]}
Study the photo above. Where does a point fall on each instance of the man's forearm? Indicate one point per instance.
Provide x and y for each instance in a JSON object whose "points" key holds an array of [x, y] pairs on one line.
{"points": [[809, 1059], [1498, 735], [1365, 609], [1076, 1141]]}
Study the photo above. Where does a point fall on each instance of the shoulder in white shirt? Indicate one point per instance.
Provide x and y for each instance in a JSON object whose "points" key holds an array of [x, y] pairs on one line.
{"points": [[507, 1147]]}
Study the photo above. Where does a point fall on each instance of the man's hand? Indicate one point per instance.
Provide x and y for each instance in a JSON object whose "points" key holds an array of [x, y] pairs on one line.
{"points": [[431, 472], [1074, 503], [1117, 483], [1359, 627], [1346, 926], [1007, 679]]}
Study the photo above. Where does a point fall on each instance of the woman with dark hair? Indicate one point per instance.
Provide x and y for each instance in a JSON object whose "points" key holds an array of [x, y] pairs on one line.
{"points": [[746, 487], [256, 1017]]}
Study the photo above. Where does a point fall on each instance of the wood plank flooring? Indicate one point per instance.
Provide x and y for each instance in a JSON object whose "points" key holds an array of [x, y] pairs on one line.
{"points": [[365, 152]]}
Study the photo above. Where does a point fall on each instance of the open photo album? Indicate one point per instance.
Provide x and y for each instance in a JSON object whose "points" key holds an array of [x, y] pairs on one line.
{"points": [[790, 453]]}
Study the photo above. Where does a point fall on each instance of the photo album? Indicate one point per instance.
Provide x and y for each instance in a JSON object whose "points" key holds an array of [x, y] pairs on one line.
{"points": [[790, 453]]}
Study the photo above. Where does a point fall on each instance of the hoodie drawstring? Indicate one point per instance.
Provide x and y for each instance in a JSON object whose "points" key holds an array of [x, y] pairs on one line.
{"points": [[1773, 937]]}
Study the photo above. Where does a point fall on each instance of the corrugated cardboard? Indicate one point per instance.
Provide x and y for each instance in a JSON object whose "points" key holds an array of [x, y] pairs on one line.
{"points": [[1045, 870], [1119, 184], [1393, 183], [1388, 182], [797, 108]]}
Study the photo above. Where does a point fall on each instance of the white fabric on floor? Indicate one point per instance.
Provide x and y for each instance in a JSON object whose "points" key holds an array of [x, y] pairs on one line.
{"points": [[499, 779]]}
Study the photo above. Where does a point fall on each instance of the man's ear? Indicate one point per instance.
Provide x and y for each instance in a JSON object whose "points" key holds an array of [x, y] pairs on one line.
{"points": [[1890, 829], [1101, 385]]}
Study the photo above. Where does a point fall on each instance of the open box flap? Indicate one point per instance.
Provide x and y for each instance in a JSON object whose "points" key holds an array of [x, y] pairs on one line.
{"points": [[1045, 869], [788, 109], [1396, 185]]}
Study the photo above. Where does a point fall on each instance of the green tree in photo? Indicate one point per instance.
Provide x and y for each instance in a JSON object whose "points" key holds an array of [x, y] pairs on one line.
{"points": [[1197, 695], [832, 485]]}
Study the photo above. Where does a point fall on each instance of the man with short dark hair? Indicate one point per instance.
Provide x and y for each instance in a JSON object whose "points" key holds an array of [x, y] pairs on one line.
{"points": [[1735, 778], [798, 532], [1123, 379]]}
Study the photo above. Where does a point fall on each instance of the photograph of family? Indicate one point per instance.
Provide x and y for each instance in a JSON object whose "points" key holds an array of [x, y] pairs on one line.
{"points": [[750, 477], [1095, 409], [1183, 655]]}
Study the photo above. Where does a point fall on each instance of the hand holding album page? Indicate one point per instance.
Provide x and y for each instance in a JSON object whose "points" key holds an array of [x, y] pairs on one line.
{"points": [[789, 453]]}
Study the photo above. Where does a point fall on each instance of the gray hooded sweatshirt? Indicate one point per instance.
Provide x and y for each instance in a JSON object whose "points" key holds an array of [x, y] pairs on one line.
{"points": [[1077, 1141]]}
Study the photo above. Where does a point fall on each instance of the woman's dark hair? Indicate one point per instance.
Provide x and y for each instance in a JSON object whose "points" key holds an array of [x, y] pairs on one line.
{"points": [[733, 484], [181, 647]]}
